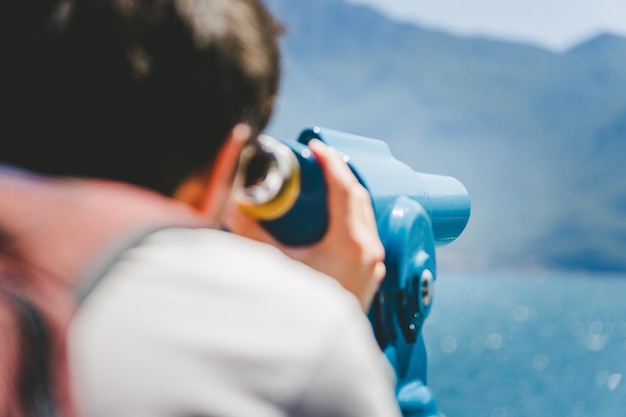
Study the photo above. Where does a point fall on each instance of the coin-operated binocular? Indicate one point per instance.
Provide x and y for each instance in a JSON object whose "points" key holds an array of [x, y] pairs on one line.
{"points": [[284, 188]]}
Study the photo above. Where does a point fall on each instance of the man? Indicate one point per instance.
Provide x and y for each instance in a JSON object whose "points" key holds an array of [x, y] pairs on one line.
{"points": [[122, 136]]}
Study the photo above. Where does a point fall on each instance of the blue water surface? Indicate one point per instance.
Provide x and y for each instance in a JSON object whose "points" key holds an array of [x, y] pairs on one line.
{"points": [[513, 344]]}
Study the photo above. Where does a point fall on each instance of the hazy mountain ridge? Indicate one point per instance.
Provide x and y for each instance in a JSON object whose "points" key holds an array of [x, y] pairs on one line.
{"points": [[538, 137]]}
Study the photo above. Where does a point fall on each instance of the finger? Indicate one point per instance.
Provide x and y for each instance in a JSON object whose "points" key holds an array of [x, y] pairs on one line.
{"points": [[341, 182], [379, 274], [380, 271], [332, 163]]}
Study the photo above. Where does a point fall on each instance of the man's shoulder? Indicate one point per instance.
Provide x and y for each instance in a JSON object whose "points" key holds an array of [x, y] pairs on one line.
{"points": [[263, 331], [214, 292], [237, 273]]}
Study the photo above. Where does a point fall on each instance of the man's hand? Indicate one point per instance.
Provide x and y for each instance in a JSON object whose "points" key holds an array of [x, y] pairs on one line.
{"points": [[350, 251]]}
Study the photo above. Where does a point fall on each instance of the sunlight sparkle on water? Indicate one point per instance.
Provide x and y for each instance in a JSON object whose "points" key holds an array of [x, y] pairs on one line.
{"points": [[595, 340], [540, 362], [521, 313], [449, 344], [493, 341], [613, 381]]}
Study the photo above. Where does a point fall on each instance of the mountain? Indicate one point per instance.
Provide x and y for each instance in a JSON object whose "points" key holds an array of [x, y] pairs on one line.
{"points": [[537, 137]]}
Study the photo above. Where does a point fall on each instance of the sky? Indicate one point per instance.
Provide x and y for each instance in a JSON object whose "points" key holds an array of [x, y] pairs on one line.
{"points": [[554, 24]]}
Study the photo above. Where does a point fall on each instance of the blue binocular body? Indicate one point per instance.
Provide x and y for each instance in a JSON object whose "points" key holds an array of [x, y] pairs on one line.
{"points": [[415, 212]]}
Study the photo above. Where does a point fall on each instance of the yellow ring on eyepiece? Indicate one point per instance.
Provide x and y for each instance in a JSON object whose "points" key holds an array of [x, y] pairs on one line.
{"points": [[281, 203], [288, 169]]}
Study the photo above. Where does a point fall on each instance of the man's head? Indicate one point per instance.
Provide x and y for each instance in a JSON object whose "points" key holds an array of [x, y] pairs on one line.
{"points": [[141, 91]]}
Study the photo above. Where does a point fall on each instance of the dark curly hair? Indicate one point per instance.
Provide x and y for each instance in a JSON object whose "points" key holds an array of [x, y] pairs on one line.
{"points": [[143, 91]]}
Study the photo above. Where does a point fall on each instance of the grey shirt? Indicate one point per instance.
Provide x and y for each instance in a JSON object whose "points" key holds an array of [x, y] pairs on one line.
{"points": [[200, 322]]}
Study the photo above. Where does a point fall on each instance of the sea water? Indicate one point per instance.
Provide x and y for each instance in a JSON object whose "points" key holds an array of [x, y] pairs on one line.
{"points": [[521, 344]]}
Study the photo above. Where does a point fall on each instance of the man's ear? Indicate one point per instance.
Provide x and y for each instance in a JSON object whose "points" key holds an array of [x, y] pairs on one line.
{"points": [[218, 188], [209, 193]]}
